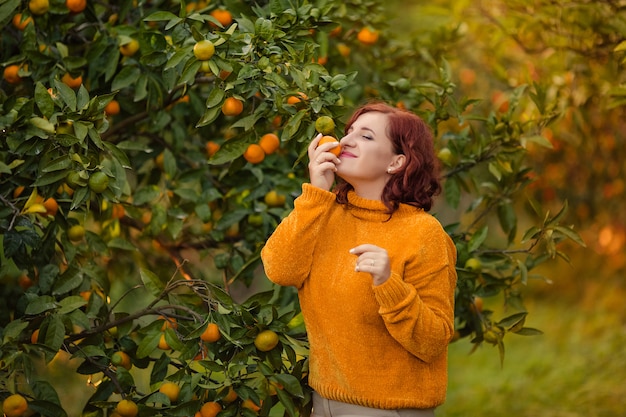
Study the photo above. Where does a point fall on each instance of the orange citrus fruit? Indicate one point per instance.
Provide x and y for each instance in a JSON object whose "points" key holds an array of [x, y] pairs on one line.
{"points": [[38, 7], [270, 143], [210, 409], [231, 395], [232, 107], [249, 404], [130, 48], [163, 345], [223, 16], [14, 405], [203, 50], [11, 74], [211, 148], [171, 390], [118, 211], [122, 359], [211, 333], [344, 50], [168, 323], [297, 99], [18, 191], [112, 108], [367, 36], [76, 6], [34, 338], [21, 23], [70, 81], [266, 340], [326, 139], [25, 282], [51, 206], [127, 408], [254, 154]]}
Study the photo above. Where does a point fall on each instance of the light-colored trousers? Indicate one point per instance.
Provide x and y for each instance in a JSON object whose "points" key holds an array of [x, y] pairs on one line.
{"points": [[323, 407]]}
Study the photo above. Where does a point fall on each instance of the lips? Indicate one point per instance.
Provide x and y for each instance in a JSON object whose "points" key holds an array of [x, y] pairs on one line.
{"points": [[345, 154]]}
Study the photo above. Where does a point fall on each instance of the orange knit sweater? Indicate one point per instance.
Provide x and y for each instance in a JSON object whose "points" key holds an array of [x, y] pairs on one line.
{"points": [[379, 346]]}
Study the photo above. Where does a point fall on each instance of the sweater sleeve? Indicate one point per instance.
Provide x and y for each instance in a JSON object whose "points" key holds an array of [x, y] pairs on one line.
{"points": [[417, 304], [288, 253]]}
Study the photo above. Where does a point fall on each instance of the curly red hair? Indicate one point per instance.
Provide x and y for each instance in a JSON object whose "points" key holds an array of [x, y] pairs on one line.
{"points": [[417, 182]]}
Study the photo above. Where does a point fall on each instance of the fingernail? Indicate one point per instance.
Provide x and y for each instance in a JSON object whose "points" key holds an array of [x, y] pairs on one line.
{"points": [[351, 250]]}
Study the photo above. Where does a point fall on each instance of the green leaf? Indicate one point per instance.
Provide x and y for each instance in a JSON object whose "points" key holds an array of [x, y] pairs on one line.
{"points": [[43, 100], [121, 243], [529, 331], [67, 282], [126, 77], [148, 343], [570, 234], [215, 98], [159, 16], [208, 117], [66, 93], [62, 162], [293, 125], [452, 192], [40, 305], [477, 239], [13, 330], [152, 282], [71, 303]]}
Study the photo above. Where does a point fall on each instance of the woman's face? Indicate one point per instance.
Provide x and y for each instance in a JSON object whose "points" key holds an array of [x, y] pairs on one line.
{"points": [[367, 155]]}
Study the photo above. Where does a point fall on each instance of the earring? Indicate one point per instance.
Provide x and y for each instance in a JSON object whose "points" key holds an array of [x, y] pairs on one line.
{"points": [[388, 170]]}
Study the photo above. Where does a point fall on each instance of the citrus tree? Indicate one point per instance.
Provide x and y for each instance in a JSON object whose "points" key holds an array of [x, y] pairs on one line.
{"points": [[149, 148]]}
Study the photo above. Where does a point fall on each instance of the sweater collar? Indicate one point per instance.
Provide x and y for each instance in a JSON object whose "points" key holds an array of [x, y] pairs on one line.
{"points": [[374, 210]]}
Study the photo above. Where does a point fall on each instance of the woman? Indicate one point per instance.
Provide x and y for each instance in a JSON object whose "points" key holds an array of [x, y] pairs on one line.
{"points": [[375, 273]]}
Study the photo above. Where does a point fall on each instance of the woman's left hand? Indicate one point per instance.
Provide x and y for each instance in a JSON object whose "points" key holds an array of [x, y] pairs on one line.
{"points": [[374, 260]]}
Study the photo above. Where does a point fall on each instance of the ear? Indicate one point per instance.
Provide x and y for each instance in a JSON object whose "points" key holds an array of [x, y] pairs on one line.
{"points": [[396, 163]]}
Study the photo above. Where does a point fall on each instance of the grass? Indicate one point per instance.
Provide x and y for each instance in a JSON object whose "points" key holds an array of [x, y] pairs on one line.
{"points": [[577, 368]]}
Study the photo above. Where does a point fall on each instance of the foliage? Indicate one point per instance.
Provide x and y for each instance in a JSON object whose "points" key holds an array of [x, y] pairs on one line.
{"points": [[157, 202]]}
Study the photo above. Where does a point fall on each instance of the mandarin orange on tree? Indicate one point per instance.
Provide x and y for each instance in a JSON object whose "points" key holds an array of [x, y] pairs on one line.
{"points": [[223, 16], [20, 23], [212, 147], [210, 409], [232, 107], [367, 36], [266, 340], [122, 359], [112, 108], [270, 143], [127, 408], [171, 390], [14, 405], [130, 48], [163, 345], [11, 74], [203, 50], [76, 6], [51, 206], [254, 154], [297, 99], [70, 81], [211, 334], [39, 7]]}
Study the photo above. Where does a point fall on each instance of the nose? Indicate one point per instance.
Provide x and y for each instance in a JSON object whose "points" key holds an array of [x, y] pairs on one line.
{"points": [[346, 140]]}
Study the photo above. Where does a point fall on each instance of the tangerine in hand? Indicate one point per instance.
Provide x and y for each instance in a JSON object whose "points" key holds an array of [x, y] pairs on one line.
{"points": [[326, 139]]}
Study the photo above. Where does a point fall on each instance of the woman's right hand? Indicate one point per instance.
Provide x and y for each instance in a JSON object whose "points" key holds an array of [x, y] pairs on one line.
{"points": [[322, 164]]}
